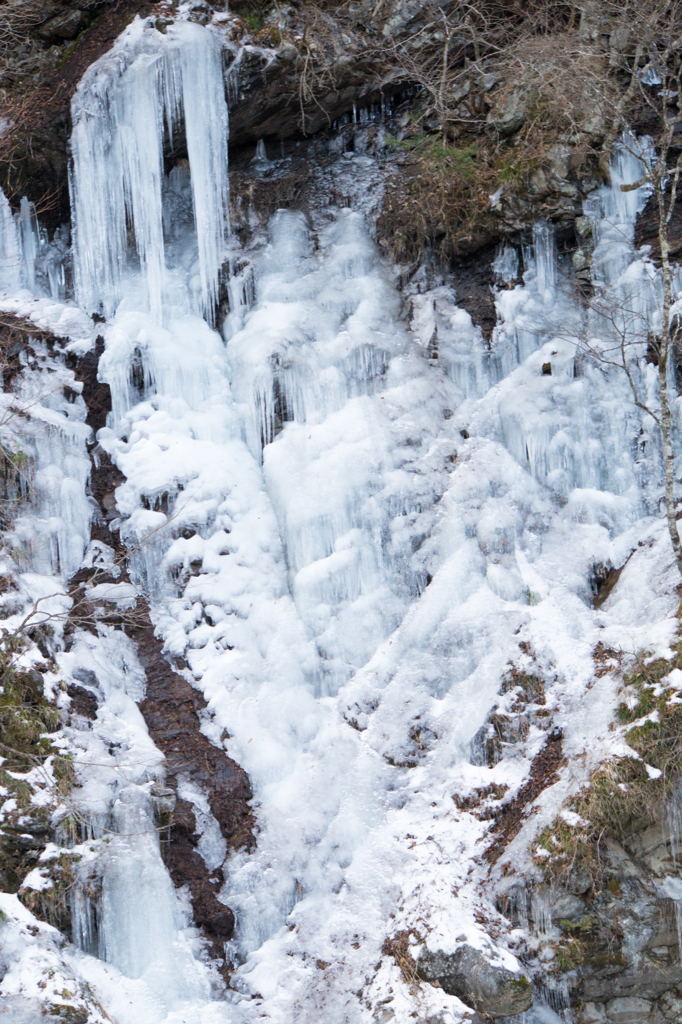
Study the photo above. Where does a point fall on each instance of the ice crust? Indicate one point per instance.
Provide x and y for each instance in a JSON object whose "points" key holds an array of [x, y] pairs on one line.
{"points": [[348, 512]]}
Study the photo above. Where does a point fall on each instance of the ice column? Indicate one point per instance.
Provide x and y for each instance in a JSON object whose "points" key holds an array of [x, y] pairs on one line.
{"points": [[142, 92], [30, 241], [545, 258], [139, 931], [10, 252]]}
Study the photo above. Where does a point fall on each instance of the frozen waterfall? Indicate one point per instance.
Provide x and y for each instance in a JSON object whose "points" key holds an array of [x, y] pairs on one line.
{"points": [[348, 511]]}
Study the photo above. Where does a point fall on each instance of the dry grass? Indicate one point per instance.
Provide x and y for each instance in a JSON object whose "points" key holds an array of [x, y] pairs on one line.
{"points": [[399, 948], [622, 799]]}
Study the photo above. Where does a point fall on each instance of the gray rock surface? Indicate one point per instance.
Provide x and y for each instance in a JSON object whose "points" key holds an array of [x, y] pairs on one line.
{"points": [[487, 987], [63, 26], [629, 1010], [509, 116]]}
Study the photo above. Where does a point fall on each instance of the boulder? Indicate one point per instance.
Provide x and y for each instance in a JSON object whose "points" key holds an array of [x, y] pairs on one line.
{"points": [[507, 117], [487, 987], [64, 26], [630, 1010]]}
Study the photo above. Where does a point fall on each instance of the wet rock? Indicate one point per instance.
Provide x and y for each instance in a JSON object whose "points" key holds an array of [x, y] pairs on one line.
{"points": [[83, 702], [487, 987]]}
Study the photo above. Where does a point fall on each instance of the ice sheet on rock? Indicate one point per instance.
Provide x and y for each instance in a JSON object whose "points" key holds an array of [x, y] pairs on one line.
{"points": [[143, 90], [347, 524], [58, 318], [49, 430]]}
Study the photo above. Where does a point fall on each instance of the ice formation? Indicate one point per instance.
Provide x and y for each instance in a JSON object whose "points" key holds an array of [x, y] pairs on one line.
{"points": [[346, 519], [128, 107], [10, 249]]}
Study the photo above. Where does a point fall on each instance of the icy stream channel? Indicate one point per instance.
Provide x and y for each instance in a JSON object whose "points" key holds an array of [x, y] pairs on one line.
{"points": [[344, 536]]}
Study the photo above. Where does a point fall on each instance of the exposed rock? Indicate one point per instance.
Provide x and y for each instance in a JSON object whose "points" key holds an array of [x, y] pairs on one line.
{"points": [[33, 156], [646, 230], [647, 981], [487, 987], [63, 26], [472, 280], [507, 117], [630, 1010], [83, 702]]}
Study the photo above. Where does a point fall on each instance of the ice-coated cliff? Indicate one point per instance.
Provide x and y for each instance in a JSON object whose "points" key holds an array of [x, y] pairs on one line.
{"points": [[349, 515]]}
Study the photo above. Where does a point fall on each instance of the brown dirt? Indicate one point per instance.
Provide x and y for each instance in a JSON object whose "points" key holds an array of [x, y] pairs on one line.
{"points": [[543, 773]]}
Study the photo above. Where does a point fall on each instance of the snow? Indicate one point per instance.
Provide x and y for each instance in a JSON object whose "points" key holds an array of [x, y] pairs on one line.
{"points": [[58, 318], [36, 880], [347, 538]]}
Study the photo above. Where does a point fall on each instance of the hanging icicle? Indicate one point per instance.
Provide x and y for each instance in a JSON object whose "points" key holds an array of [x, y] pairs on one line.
{"points": [[150, 88], [10, 250]]}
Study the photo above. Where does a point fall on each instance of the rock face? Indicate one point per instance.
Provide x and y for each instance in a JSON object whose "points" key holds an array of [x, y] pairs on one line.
{"points": [[615, 939], [488, 988], [171, 710], [63, 26]]}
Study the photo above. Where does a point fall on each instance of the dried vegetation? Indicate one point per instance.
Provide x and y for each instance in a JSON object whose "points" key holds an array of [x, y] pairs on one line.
{"points": [[628, 794]]}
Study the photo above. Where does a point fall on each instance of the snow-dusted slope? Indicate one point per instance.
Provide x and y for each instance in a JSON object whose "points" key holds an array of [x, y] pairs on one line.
{"points": [[347, 541]]}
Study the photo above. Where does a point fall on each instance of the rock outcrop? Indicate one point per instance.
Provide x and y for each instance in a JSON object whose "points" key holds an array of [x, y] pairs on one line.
{"points": [[488, 987]]}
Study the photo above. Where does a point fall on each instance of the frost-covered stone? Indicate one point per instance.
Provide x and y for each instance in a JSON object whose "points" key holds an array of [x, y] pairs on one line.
{"points": [[488, 988]]}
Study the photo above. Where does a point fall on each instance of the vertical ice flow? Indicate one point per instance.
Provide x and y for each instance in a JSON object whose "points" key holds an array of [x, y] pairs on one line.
{"points": [[128, 109], [10, 250], [30, 241]]}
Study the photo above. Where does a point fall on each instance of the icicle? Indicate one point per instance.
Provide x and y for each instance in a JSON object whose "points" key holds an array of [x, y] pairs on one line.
{"points": [[556, 993], [541, 910], [206, 129], [30, 241], [545, 258], [10, 252], [506, 264], [119, 112], [261, 154]]}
